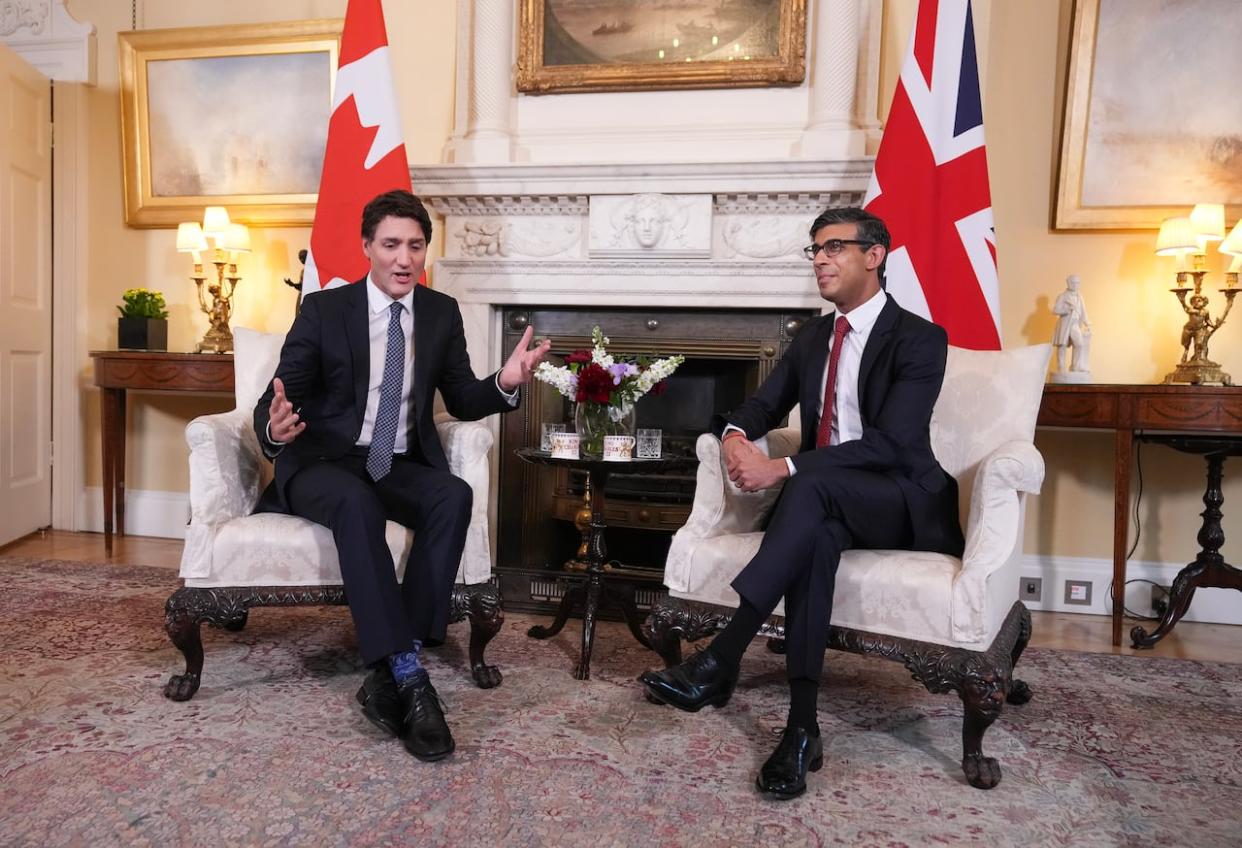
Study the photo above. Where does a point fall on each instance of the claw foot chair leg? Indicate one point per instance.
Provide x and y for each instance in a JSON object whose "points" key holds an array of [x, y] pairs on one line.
{"points": [[983, 697], [481, 602], [182, 620], [1019, 692]]}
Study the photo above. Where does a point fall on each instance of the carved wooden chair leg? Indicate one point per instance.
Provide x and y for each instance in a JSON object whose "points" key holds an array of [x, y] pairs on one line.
{"points": [[183, 616], [486, 618], [983, 696], [663, 633], [1019, 692]]}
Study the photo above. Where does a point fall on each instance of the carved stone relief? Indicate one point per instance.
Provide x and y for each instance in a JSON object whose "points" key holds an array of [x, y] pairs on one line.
{"points": [[761, 237], [18, 14], [539, 238], [651, 225]]}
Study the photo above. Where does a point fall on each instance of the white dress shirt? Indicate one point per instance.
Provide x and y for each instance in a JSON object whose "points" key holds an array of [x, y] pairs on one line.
{"points": [[847, 423], [378, 316]]}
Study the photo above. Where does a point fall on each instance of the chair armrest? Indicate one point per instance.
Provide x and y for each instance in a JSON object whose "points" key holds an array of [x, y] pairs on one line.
{"points": [[993, 528], [720, 508], [467, 445], [225, 467]]}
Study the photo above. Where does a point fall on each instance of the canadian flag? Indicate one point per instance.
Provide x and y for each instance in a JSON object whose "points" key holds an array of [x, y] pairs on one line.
{"points": [[365, 154]]}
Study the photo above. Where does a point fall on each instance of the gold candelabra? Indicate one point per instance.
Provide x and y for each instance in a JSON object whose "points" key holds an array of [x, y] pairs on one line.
{"points": [[216, 298], [1189, 235]]}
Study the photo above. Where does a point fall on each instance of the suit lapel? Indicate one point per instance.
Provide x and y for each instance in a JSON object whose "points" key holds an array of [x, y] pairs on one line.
{"points": [[423, 320], [813, 379], [358, 335], [880, 336]]}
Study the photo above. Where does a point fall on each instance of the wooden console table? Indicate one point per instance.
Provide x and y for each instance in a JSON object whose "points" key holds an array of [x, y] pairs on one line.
{"points": [[117, 371], [1129, 410]]}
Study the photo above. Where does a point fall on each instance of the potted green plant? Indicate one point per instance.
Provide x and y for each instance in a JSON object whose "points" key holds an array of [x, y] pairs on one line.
{"points": [[143, 324]]}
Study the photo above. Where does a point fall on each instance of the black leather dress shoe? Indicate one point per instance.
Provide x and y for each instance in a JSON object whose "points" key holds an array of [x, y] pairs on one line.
{"points": [[783, 776], [380, 702], [425, 733], [692, 685]]}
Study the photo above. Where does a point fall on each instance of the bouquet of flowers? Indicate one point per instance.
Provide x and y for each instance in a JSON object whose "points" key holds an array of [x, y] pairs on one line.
{"points": [[605, 388]]}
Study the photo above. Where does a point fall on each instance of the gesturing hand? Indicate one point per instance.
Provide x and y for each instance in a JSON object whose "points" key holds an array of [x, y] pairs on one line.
{"points": [[521, 363], [282, 422]]}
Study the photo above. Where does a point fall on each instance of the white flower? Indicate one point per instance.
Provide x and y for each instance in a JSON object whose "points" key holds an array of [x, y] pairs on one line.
{"points": [[559, 377]]}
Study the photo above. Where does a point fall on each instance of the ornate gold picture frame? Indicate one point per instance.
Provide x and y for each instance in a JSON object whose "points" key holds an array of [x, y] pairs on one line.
{"points": [[642, 45], [233, 116], [1143, 138]]}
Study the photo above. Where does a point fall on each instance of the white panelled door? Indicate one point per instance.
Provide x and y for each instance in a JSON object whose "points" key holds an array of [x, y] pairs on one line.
{"points": [[25, 297]]}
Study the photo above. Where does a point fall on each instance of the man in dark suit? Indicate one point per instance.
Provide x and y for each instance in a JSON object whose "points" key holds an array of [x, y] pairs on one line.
{"points": [[866, 378], [347, 420]]}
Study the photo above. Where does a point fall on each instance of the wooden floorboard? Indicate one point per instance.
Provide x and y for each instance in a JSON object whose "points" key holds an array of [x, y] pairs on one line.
{"points": [[1063, 631]]}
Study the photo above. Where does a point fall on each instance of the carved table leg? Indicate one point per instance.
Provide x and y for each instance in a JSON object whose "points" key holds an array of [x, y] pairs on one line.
{"points": [[582, 671], [568, 602], [633, 618], [1209, 567], [486, 618]]}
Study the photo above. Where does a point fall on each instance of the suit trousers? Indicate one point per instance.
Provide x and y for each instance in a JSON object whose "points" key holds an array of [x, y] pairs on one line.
{"points": [[339, 495], [818, 515]]}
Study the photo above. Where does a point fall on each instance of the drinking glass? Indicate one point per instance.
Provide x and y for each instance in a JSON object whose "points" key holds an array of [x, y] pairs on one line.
{"points": [[649, 441], [545, 435]]}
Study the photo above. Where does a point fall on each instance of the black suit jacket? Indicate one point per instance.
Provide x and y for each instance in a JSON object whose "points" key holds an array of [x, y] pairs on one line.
{"points": [[325, 365], [899, 379]]}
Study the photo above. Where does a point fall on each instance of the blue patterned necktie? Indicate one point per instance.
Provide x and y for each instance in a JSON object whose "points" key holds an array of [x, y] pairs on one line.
{"points": [[384, 436]]}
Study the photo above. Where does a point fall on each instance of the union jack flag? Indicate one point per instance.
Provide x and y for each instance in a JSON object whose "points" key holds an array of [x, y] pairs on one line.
{"points": [[930, 183]]}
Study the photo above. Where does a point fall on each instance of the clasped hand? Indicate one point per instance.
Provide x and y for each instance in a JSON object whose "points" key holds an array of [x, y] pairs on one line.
{"points": [[750, 468]]}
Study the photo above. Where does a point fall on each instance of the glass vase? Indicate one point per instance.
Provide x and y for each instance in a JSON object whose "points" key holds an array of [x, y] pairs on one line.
{"points": [[593, 421]]}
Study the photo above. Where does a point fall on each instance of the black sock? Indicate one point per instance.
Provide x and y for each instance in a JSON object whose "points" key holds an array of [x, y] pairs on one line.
{"points": [[803, 698], [730, 643]]}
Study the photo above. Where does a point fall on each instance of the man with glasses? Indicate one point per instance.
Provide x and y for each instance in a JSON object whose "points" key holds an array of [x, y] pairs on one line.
{"points": [[865, 378]]}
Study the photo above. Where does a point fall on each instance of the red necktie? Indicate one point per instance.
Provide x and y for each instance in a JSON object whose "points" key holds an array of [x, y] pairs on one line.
{"points": [[824, 433]]}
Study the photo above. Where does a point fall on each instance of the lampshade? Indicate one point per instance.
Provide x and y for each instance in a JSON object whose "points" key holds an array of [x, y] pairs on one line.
{"points": [[1177, 235], [1209, 221], [190, 238], [215, 221], [235, 237], [1235, 267], [1233, 242]]}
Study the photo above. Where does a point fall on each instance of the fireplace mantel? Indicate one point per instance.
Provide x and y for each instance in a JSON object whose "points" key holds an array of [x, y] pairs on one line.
{"points": [[718, 234]]}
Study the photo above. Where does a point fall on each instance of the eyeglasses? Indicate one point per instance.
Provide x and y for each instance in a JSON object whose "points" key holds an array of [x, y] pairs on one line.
{"points": [[832, 247]]}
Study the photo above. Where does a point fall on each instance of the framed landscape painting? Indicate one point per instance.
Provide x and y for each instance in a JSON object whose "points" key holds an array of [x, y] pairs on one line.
{"points": [[233, 116], [1151, 126], [631, 45]]}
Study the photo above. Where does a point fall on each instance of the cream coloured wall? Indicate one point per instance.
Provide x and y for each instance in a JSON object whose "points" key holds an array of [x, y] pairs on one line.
{"points": [[1022, 49], [421, 36]]}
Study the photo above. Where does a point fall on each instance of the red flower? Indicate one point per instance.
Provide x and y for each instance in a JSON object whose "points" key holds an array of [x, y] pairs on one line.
{"points": [[594, 384], [579, 357], [659, 388]]}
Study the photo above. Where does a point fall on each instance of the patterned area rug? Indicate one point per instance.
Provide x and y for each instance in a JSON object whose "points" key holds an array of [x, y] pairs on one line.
{"points": [[273, 750]]}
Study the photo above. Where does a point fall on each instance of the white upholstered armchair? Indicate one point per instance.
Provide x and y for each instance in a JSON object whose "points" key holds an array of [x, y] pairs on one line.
{"points": [[234, 560], [955, 623]]}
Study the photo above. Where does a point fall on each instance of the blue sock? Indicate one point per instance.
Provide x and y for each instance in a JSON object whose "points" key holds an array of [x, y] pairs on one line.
{"points": [[406, 667]]}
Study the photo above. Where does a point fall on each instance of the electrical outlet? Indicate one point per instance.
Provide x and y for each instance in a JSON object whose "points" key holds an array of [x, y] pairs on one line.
{"points": [[1078, 592], [1030, 589], [1159, 600]]}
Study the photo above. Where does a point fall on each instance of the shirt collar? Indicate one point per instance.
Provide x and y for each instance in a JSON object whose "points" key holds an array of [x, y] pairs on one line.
{"points": [[863, 317], [378, 301]]}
